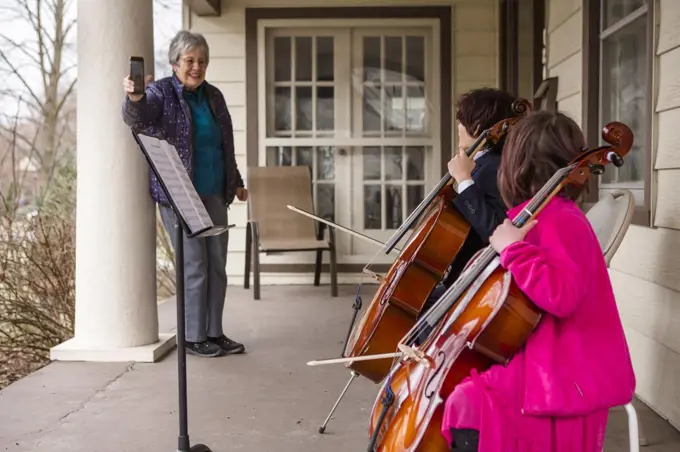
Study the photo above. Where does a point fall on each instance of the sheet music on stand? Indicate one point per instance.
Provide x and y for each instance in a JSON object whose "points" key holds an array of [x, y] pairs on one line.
{"points": [[165, 162]]}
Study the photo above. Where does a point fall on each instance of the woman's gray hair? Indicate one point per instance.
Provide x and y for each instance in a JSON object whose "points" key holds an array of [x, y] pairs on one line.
{"points": [[185, 41]]}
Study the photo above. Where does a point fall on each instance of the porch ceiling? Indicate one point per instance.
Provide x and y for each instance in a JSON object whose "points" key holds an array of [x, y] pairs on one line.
{"points": [[204, 7]]}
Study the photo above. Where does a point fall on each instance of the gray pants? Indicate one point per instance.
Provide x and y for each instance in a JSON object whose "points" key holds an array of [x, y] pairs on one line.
{"points": [[205, 274]]}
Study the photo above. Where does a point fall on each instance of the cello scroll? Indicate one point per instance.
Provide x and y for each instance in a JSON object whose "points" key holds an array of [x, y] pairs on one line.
{"points": [[619, 136]]}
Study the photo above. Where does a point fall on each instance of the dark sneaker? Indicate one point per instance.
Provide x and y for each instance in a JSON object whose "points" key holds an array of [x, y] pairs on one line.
{"points": [[206, 349], [230, 347]]}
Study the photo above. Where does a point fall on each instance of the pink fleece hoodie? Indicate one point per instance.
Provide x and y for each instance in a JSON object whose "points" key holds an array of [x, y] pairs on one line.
{"points": [[575, 365]]}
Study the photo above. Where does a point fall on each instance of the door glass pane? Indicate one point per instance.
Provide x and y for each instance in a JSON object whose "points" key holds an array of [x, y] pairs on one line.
{"points": [[393, 218], [282, 106], [325, 55], [372, 110], [282, 59], [325, 108], [372, 164], [394, 111], [372, 207], [303, 58], [394, 86], [305, 156], [415, 163], [279, 156], [390, 174], [414, 196], [303, 86], [393, 62], [372, 60], [415, 58], [325, 200], [415, 109], [393, 163], [303, 108], [325, 163]]}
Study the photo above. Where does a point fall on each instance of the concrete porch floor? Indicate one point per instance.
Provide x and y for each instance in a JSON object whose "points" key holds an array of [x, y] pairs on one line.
{"points": [[267, 400]]}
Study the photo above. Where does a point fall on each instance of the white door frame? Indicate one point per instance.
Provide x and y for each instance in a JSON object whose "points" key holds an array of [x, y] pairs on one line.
{"points": [[343, 138]]}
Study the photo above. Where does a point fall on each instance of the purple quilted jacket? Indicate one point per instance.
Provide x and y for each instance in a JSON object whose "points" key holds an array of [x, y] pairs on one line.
{"points": [[164, 114]]}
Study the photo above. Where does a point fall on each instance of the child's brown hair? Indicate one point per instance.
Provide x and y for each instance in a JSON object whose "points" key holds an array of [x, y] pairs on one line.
{"points": [[534, 150], [481, 108]]}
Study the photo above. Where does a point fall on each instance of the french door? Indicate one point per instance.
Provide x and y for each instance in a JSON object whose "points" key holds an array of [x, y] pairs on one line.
{"points": [[357, 105]]}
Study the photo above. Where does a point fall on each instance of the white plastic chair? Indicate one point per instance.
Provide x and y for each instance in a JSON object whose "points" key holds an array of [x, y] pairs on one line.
{"points": [[610, 218]]}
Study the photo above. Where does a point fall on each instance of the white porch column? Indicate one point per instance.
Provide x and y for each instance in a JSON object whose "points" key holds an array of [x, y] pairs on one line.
{"points": [[116, 310]]}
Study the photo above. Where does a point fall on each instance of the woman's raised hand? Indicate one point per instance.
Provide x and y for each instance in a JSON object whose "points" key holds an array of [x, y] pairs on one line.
{"points": [[129, 87]]}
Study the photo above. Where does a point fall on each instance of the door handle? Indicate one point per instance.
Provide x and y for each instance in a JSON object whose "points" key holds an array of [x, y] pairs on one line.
{"points": [[342, 151]]}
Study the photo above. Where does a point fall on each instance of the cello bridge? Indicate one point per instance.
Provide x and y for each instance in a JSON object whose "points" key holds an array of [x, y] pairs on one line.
{"points": [[416, 355], [377, 277]]}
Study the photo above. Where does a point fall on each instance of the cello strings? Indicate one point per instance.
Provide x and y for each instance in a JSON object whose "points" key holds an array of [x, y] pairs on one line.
{"points": [[446, 301], [423, 323]]}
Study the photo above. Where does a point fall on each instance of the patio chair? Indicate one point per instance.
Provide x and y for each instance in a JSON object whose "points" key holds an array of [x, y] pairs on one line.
{"points": [[610, 218], [275, 229]]}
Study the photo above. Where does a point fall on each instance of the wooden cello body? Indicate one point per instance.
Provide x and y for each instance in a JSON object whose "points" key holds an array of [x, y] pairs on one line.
{"points": [[422, 264], [497, 321], [482, 320], [437, 238]]}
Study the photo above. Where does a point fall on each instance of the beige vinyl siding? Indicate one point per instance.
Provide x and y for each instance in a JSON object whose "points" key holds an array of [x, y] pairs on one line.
{"points": [[649, 263], [475, 64], [475, 47], [645, 269], [564, 36]]}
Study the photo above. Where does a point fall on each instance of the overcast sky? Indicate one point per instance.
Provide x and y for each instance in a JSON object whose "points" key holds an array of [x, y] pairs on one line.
{"points": [[167, 21]]}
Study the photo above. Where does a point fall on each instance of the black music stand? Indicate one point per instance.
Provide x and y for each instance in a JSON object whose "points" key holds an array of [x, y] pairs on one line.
{"points": [[194, 220]]}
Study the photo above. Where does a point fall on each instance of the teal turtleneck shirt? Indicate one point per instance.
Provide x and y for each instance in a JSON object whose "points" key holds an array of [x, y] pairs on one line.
{"points": [[209, 165]]}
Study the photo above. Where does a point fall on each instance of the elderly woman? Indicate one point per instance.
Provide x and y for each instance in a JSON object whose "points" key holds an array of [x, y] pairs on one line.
{"points": [[192, 115]]}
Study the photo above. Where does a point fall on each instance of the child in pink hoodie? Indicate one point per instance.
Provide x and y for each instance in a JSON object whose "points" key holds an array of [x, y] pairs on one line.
{"points": [[554, 395]]}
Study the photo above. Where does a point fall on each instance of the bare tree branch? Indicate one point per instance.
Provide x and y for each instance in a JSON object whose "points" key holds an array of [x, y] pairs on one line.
{"points": [[15, 71]]}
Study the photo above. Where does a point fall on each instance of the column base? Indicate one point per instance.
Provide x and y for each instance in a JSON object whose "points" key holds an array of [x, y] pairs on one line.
{"points": [[71, 350]]}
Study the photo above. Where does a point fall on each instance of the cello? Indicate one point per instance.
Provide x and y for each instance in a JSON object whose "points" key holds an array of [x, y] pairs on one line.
{"points": [[436, 240], [422, 264], [483, 319]]}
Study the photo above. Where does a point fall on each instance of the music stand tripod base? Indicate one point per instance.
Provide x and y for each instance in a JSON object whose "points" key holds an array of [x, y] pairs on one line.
{"points": [[337, 402], [356, 307], [183, 438], [197, 448], [192, 219]]}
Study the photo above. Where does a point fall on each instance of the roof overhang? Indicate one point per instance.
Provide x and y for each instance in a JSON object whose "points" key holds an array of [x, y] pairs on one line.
{"points": [[204, 7]]}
